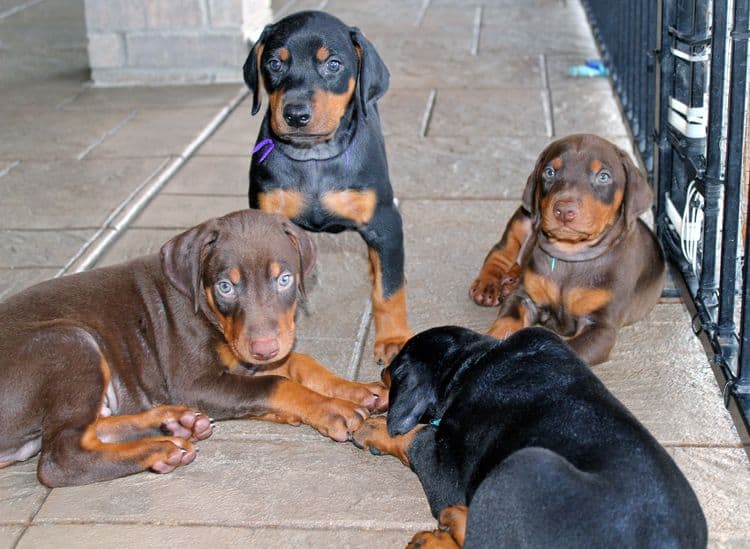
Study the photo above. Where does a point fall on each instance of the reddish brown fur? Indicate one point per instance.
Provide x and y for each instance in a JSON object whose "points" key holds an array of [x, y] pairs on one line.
{"points": [[287, 203], [588, 264], [358, 206], [161, 336], [389, 314], [328, 110]]}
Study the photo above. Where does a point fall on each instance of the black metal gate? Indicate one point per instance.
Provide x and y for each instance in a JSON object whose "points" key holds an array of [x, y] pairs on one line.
{"points": [[680, 69]]}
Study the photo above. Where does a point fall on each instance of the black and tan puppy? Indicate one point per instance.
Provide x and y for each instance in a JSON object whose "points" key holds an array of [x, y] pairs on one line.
{"points": [[518, 444], [320, 157], [109, 372], [575, 257]]}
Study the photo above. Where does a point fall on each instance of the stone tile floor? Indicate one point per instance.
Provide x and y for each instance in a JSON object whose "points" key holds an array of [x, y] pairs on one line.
{"points": [[470, 107]]}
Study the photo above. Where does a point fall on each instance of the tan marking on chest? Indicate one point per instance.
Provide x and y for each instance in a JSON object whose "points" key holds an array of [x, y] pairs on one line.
{"points": [[541, 290], [359, 206], [584, 301], [287, 203]]}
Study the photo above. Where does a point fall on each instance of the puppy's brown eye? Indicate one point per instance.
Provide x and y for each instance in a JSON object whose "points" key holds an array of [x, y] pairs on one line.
{"points": [[549, 172]]}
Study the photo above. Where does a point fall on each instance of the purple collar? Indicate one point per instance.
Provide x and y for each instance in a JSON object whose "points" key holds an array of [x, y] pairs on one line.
{"points": [[269, 144]]}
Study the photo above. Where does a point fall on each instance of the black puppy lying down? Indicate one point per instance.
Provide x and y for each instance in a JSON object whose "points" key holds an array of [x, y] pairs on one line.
{"points": [[518, 444]]}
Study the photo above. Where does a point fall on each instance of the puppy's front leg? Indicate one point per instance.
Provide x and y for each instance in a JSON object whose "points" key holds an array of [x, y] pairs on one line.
{"points": [[385, 242], [276, 398], [594, 343], [500, 272], [307, 371]]}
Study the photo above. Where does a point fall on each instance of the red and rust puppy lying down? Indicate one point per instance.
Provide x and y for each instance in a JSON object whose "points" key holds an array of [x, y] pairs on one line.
{"points": [[109, 372], [575, 257], [518, 444]]}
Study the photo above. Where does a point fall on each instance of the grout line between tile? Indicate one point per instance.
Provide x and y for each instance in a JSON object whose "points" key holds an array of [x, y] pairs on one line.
{"points": [[142, 196], [99, 235], [474, 48], [421, 13], [427, 116], [549, 120], [322, 525], [106, 135], [7, 170], [360, 341], [19, 8]]}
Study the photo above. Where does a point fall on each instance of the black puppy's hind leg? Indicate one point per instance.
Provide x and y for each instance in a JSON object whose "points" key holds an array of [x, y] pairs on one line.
{"points": [[385, 241]]}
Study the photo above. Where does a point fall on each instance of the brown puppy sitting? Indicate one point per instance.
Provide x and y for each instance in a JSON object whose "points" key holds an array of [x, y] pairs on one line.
{"points": [[105, 371], [575, 257]]}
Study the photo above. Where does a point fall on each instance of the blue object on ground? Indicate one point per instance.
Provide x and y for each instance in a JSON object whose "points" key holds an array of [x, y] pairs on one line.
{"points": [[591, 68]]}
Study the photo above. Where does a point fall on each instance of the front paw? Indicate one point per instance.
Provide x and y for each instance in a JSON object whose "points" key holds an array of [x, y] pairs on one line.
{"points": [[373, 396], [387, 348], [490, 291], [437, 539], [339, 419], [371, 435]]}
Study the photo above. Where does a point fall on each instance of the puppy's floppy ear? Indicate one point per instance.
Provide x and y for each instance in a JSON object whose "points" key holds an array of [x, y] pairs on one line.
{"points": [[409, 398], [372, 76], [306, 250], [529, 197], [251, 69], [638, 193], [182, 258]]}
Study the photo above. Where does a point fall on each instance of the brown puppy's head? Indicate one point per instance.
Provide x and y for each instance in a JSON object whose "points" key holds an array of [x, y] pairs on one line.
{"points": [[580, 187], [315, 70], [242, 271]]}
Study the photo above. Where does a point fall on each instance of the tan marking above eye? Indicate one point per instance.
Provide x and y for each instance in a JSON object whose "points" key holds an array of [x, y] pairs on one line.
{"points": [[275, 269], [234, 275], [596, 166], [359, 206], [284, 54], [557, 163], [287, 203], [322, 54]]}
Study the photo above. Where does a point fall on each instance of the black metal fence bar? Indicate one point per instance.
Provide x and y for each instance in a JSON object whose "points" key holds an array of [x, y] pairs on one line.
{"points": [[692, 150], [735, 145], [624, 32]]}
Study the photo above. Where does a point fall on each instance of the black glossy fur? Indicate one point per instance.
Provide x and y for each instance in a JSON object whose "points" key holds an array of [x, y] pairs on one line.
{"points": [[541, 452], [322, 160]]}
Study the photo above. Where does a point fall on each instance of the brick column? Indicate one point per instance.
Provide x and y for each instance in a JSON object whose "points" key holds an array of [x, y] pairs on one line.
{"points": [[171, 41]]}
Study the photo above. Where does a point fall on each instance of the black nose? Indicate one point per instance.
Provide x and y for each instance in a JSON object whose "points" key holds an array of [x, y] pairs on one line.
{"points": [[297, 114]]}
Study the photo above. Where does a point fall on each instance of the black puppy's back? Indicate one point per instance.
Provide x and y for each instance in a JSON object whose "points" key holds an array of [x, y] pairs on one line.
{"points": [[538, 448]]}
